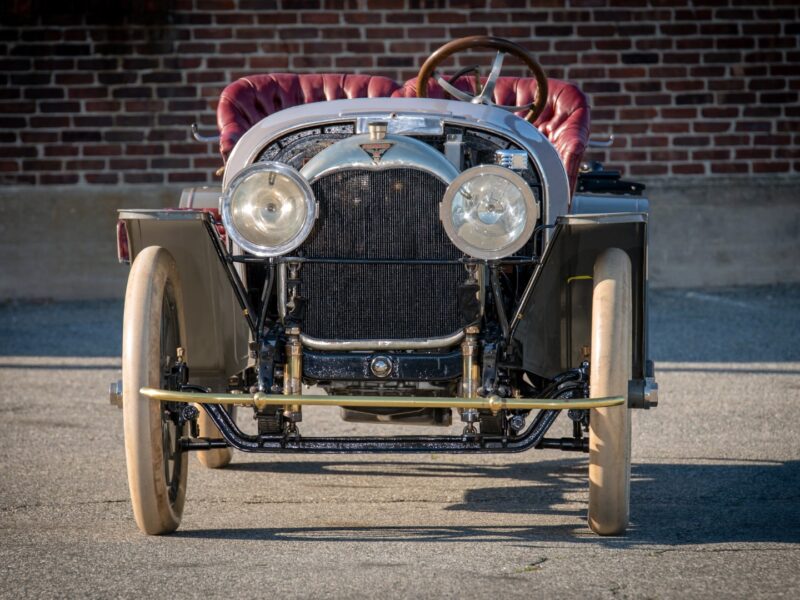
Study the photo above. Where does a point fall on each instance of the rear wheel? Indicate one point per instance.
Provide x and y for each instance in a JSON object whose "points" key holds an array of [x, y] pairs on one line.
{"points": [[153, 329], [610, 428]]}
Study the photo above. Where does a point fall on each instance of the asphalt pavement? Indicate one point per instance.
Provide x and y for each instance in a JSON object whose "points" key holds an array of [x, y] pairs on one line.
{"points": [[715, 490]]}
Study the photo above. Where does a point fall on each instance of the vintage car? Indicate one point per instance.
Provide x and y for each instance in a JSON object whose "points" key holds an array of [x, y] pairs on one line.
{"points": [[409, 250]]}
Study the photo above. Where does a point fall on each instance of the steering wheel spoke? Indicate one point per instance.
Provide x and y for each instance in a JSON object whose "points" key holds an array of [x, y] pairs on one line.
{"points": [[453, 90], [487, 94]]}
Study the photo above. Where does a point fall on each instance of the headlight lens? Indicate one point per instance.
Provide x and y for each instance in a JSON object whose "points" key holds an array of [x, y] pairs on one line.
{"points": [[268, 209], [489, 212]]}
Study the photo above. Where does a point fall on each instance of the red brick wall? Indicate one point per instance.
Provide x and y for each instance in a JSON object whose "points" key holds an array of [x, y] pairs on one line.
{"points": [[688, 88]]}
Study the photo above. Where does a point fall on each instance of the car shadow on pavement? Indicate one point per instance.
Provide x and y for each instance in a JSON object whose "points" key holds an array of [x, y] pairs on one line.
{"points": [[388, 533], [672, 503], [684, 503]]}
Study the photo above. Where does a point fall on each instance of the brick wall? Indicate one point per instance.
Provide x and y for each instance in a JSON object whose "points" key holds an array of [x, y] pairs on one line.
{"points": [[106, 95]]}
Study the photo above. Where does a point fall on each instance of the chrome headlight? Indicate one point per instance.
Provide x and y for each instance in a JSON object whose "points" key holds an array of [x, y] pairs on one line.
{"points": [[268, 209], [489, 212]]}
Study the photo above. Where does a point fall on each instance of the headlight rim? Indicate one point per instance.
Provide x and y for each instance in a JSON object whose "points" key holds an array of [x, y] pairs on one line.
{"points": [[531, 217], [296, 240]]}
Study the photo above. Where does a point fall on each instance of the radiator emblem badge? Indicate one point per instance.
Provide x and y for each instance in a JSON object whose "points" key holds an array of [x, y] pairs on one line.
{"points": [[376, 150]]}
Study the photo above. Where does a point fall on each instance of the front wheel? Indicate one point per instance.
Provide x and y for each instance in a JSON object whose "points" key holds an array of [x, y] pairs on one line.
{"points": [[610, 427], [153, 329], [219, 457]]}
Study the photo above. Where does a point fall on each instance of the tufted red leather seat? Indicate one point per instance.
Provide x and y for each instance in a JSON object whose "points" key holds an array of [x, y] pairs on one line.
{"points": [[248, 100], [564, 120]]}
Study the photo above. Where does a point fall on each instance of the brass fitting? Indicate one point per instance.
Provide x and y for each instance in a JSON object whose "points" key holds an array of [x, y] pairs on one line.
{"points": [[377, 130]]}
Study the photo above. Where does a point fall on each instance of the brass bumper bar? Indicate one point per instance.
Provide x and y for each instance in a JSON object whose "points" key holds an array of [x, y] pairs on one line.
{"points": [[492, 403]]}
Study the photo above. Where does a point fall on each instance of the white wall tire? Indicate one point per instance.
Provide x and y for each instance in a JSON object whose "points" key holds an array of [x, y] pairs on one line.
{"points": [[153, 328], [610, 428], [212, 459]]}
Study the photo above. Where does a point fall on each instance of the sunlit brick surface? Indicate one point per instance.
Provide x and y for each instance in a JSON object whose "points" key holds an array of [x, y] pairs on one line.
{"points": [[701, 88]]}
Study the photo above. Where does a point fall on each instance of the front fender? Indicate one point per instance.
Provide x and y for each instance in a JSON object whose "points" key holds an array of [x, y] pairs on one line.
{"points": [[216, 332], [553, 322]]}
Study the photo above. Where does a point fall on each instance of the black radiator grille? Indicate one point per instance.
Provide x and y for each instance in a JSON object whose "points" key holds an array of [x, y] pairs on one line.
{"points": [[385, 214]]}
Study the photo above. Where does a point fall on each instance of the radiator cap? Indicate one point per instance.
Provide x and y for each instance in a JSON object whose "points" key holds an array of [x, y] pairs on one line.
{"points": [[377, 130]]}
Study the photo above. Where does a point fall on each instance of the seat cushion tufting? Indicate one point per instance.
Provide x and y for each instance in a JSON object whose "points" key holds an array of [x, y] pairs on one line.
{"points": [[564, 121], [248, 100]]}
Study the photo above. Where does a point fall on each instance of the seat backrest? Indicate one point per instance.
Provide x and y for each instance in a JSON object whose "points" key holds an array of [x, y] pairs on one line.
{"points": [[248, 100], [564, 121]]}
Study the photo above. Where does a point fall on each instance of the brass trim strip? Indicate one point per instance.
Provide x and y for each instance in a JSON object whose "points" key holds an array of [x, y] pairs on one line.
{"points": [[492, 403]]}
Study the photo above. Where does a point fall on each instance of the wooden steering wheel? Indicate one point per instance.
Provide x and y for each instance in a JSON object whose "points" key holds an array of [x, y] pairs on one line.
{"points": [[484, 96]]}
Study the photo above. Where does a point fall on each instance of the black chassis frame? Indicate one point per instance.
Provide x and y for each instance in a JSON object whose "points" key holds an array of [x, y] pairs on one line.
{"points": [[571, 383]]}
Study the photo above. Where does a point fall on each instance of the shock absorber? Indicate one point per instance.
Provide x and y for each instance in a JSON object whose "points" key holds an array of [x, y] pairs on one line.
{"points": [[470, 376], [293, 374]]}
